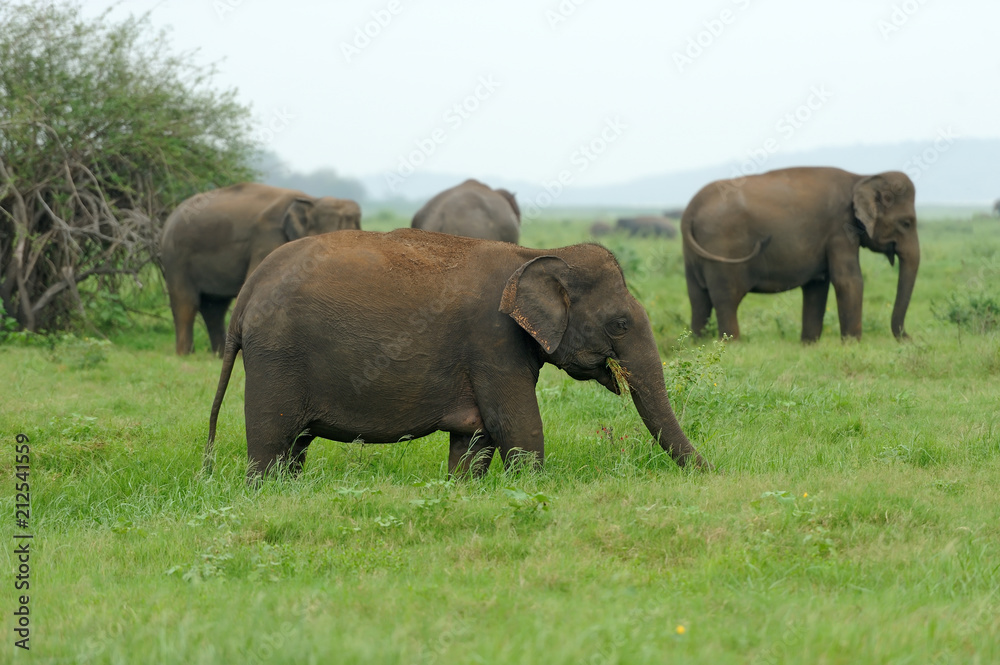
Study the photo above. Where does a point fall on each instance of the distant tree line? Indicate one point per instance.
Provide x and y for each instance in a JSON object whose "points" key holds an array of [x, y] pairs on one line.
{"points": [[321, 182]]}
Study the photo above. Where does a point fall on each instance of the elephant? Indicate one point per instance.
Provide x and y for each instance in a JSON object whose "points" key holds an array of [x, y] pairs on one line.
{"points": [[600, 229], [214, 240], [798, 227], [996, 207], [381, 337], [473, 210], [646, 226]]}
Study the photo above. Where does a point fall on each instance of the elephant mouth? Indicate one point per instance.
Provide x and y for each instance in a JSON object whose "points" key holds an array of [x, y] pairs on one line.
{"points": [[890, 253]]}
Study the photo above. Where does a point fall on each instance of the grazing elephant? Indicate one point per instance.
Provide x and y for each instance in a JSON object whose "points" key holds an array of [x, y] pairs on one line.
{"points": [[646, 226], [600, 229], [381, 337], [473, 210], [214, 240], [798, 227]]}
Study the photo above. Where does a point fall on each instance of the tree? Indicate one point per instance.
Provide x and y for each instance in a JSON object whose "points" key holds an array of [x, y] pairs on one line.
{"points": [[102, 132]]}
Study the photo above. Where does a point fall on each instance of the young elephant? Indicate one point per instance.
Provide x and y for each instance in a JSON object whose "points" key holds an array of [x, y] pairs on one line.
{"points": [[387, 336], [215, 239], [792, 228]]}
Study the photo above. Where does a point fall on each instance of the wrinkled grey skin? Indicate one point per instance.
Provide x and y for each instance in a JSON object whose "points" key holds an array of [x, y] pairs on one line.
{"points": [[382, 337], [473, 210], [648, 226], [798, 228], [214, 240]]}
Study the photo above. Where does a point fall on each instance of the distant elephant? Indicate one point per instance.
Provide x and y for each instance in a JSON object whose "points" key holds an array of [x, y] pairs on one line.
{"points": [[381, 337], [600, 229], [646, 226], [214, 240], [798, 227], [996, 207], [674, 213], [473, 210]]}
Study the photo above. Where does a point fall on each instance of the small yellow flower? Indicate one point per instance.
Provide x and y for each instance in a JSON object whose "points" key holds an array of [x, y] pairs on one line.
{"points": [[805, 494], [680, 630]]}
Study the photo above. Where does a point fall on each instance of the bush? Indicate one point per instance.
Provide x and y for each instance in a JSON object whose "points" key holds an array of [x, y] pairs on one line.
{"points": [[102, 131], [976, 312]]}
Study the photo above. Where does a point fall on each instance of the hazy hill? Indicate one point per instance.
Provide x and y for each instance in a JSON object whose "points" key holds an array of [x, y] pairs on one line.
{"points": [[964, 172]]}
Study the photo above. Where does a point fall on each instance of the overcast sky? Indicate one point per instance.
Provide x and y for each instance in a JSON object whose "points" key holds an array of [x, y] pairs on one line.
{"points": [[515, 88]]}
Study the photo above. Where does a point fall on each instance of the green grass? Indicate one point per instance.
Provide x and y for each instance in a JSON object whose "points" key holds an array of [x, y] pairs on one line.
{"points": [[854, 518]]}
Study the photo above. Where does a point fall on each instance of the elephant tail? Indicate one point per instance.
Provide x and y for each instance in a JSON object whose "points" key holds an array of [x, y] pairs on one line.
{"points": [[233, 345], [686, 230]]}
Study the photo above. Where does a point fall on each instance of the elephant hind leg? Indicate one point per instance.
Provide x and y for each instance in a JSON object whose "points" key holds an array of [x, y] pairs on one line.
{"points": [[184, 304], [213, 311], [701, 307], [814, 296], [274, 425], [470, 454]]}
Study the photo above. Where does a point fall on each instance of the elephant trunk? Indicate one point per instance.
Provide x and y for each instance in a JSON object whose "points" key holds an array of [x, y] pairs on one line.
{"points": [[909, 262], [649, 393]]}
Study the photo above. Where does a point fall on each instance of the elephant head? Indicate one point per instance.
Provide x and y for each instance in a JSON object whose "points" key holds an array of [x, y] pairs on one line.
{"points": [[582, 315], [309, 217], [884, 205]]}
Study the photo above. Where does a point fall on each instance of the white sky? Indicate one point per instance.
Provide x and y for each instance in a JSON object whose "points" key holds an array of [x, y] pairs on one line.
{"points": [[558, 86]]}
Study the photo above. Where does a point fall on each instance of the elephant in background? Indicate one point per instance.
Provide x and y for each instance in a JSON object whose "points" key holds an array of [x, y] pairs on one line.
{"points": [[798, 227], [473, 210], [996, 207], [214, 240], [647, 226], [600, 229], [398, 335]]}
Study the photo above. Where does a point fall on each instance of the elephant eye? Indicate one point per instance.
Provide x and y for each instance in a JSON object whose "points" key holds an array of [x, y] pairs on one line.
{"points": [[617, 327]]}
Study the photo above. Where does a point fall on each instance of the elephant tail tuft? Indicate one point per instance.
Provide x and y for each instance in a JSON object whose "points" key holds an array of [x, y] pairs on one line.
{"points": [[233, 345]]}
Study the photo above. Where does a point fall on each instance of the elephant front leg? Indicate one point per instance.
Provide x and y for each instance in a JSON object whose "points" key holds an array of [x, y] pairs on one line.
{"points": [[814, 296], [509, 410], [849, 287], [470, 454]]}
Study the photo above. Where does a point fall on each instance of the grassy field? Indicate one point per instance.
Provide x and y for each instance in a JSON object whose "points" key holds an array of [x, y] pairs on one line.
{"points": [[854, 518]]}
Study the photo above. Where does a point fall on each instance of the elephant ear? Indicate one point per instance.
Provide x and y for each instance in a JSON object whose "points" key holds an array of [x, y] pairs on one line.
{"points": [[295, 221], [866, 197], [536, 298]]}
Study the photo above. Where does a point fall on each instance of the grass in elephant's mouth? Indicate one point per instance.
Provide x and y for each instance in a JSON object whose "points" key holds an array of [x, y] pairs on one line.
{"points": [[857, 520], [620, 375]]}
